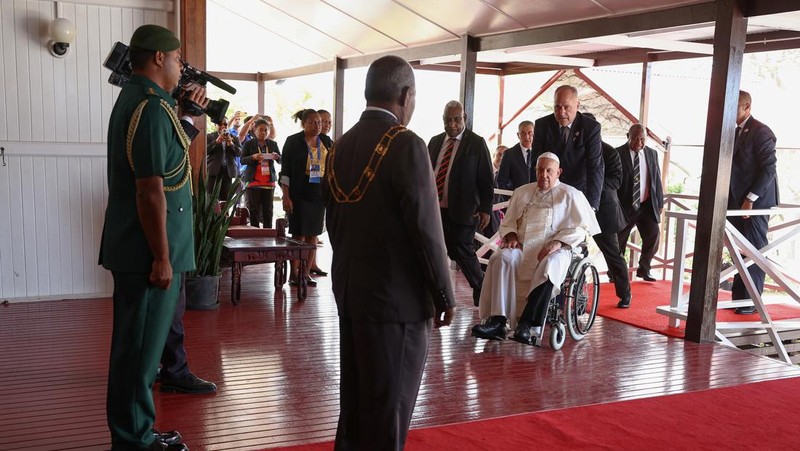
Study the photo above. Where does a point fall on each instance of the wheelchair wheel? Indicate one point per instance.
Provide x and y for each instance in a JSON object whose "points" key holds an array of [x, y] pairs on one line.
{"points": [[557, 336], [583, 301]]}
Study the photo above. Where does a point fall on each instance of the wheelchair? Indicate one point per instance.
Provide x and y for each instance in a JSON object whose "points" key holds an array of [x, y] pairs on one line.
{"points": [[575, 308]]}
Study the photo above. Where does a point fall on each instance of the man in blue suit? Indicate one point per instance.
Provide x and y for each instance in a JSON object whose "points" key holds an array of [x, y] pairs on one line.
{"points": [[753, 185], [575, 138]]}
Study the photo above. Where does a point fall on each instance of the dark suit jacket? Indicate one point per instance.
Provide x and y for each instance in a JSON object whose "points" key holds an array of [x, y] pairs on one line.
{"points": [[251, 148], [215, 153], [471, 185], [609, 215], [514, 171], [389, 259], [581, 160], [293, 165], [625, 191], [753, 167]]}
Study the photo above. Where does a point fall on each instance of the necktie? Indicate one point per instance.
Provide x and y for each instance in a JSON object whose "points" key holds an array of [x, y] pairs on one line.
{"points": [[528, 158], [441, 174], [564, 135], [636, 182], [736, 138]]}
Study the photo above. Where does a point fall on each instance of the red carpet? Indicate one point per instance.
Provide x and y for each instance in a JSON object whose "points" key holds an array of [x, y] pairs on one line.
{"points": [[754, 416], [649, 295]]}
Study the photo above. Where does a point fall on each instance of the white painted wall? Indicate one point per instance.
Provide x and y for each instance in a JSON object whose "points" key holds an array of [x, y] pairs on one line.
{"points": [[53, 124]]}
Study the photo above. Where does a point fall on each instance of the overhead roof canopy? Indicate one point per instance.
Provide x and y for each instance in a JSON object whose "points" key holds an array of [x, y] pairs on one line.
{"points": [[516, 36]]}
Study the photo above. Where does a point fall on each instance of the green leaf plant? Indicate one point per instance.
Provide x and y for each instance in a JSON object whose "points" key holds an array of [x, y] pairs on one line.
{"points": [[212, 218]]}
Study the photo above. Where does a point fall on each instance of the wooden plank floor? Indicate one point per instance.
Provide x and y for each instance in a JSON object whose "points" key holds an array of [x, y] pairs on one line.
{"points": [[275, 361]]}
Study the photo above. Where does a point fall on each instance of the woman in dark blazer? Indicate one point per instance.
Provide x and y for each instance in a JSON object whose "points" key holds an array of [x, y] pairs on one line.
{"points": [[302, 170], [258, 158]]}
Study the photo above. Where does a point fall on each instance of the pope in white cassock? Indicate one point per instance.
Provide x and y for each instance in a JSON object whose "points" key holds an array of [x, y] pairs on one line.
{"points": [[544, 221]]}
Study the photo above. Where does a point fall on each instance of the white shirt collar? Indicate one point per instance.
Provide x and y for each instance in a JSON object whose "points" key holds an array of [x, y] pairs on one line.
{"points": [[743, 122], [458, 137], [375, 108]]}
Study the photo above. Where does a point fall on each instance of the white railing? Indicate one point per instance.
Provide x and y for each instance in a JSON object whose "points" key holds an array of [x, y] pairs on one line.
{"points": [[743, 254]]}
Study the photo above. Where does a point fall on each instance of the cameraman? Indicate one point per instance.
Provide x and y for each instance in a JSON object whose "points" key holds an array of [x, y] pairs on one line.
{"points": [[222, 151], [147, 236]]}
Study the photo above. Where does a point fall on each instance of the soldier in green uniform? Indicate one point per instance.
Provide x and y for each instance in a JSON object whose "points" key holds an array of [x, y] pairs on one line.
{"points": [[147, 235]]}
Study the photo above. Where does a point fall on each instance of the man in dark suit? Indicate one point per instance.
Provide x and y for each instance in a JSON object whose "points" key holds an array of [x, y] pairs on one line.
{"points": [[575, 138], [611, 221], [641, 197], [753, 185], [515, 167], [463, 172], [222, 150], [390, 273]]}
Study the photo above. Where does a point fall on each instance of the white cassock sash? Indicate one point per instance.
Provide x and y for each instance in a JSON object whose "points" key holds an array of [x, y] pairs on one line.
{"points": [[531, 272]]}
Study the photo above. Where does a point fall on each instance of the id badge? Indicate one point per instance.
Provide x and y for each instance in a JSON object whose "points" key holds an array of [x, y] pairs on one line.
{"points": [[264, 168], [314, 174]]}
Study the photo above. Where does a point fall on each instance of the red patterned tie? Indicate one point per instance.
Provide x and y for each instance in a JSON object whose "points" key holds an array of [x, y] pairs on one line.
{"points": [[441, 174]]}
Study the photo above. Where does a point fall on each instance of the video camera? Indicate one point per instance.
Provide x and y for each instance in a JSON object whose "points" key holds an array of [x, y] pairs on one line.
{"points": [[119, 62]]}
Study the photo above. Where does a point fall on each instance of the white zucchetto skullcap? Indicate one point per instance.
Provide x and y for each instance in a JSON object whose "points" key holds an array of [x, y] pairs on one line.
{"points": [[549, 155]]}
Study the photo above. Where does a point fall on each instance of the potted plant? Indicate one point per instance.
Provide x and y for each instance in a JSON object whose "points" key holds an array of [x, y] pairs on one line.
{"points": [[211, 220]]}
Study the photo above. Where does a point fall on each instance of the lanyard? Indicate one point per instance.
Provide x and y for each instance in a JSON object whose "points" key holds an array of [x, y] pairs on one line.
{"points": [[319, 151]]}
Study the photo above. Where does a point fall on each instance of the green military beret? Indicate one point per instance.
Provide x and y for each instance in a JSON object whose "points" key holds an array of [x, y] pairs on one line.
{"points": [[155, 38]]}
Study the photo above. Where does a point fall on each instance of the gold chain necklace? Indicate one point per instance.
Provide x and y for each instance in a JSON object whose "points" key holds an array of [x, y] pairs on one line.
{"points": [[367, 175]]}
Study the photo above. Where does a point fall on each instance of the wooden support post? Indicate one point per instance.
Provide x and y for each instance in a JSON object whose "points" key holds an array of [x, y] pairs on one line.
{"points": [[729, 42], [644, 104], [501, 80], [338, 98], [469, 65], [193, 50], [262, 93]]}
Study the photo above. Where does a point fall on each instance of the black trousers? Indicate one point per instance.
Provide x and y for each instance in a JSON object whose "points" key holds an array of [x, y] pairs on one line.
{"points": [[173, 357], [608, 243], [648, 228], [536, 309], [259, 202], [226, 184], [459, 240], [381, 371], [755, 230]]}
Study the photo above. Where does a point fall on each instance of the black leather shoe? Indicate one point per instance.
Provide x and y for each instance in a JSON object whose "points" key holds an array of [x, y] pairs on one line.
{"points": [[625, 301], [523, 333], [311, 282], [493, 329], [168, 438], [318, 272], [190, 384], [293, 281], [645, 275], [610, 278], [745, 310]]}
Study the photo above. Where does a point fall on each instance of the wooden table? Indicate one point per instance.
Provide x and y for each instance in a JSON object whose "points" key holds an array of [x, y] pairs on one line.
{"points": [[253, 250]]}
